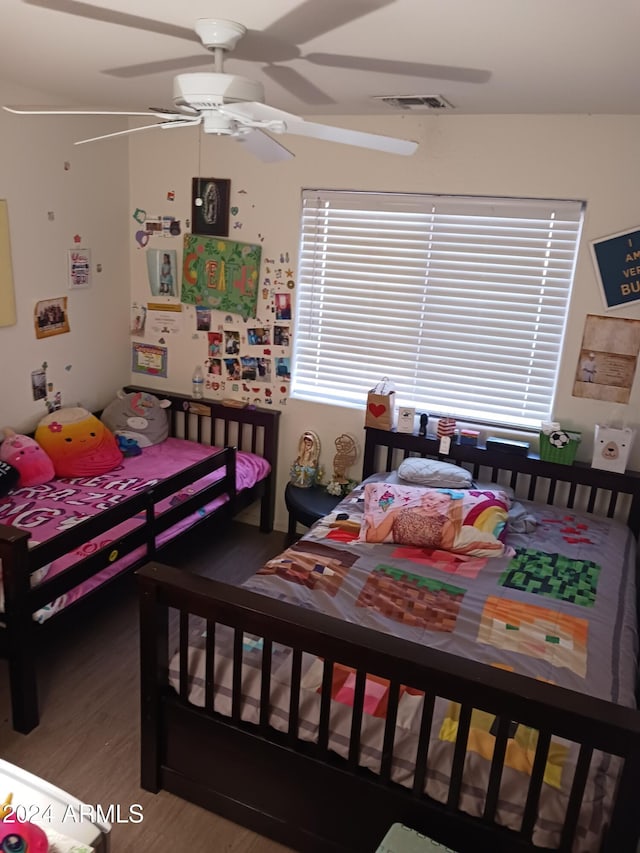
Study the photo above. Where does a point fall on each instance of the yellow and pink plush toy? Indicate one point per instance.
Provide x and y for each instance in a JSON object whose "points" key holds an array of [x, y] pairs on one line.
{"points": [[78, 444], [25, 454]]}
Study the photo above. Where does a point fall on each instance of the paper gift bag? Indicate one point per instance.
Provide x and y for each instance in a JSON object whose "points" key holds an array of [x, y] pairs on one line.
{"points": [[381, 406], [611, 448]]}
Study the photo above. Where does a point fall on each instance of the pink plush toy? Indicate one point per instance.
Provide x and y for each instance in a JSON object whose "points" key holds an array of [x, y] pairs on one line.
{"points": [[25, 454]]}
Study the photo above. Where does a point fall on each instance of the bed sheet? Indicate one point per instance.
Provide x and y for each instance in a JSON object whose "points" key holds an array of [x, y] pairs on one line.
{"points": [[50, 508], [562, 610]]}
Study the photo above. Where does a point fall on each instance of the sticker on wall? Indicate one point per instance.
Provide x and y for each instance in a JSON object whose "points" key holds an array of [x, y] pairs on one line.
{"points": [[78, 268], [50, 317], [149, 359]]}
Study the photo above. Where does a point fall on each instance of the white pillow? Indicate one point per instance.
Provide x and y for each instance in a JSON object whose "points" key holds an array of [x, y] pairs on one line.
{"points": [[434, 473]]}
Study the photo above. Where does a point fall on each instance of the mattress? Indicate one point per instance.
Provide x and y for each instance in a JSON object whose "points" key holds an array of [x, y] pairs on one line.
{"points": [[559, 608], [53, 507]]}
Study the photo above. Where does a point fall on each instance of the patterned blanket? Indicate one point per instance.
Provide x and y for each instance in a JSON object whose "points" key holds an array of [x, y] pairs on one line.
{"points": [[561, 609]]}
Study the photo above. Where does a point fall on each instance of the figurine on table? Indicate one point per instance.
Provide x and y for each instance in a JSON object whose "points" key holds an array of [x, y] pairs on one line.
{"points": [[304, 470]]}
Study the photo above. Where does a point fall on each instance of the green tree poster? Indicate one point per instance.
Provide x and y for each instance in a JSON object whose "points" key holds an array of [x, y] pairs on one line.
{"points": [[221, 274]]}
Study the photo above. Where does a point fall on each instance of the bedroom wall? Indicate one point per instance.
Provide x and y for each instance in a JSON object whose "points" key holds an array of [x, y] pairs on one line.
{"points": [[48, 205], [593, 158]]}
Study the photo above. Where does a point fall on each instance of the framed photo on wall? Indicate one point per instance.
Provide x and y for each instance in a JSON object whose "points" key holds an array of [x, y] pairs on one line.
{"points": [[210, 206]]}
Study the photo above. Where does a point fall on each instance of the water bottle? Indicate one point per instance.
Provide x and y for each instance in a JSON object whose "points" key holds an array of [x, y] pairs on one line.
{"points": [[197, 383]]}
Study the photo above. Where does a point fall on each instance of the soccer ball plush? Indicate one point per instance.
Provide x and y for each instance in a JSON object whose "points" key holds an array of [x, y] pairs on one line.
{"points": [[558, 438]]}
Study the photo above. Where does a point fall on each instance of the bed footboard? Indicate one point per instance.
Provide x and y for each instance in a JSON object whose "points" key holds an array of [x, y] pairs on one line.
{"points": [[299, 791], [18, 630]]}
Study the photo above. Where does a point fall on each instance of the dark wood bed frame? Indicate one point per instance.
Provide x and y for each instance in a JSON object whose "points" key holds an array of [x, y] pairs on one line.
{"points": [[307, 797], [204, 421]]}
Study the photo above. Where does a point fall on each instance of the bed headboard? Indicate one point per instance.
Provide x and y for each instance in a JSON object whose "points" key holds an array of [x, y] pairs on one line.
{"points": [[577, 486]]}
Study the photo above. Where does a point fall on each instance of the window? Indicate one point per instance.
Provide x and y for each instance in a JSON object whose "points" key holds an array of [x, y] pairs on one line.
{"points": [[460, 301]]}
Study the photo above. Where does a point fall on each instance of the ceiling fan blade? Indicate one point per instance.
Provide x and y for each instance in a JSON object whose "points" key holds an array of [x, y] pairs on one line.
{"points": [[375, 141], [262, 146], [293, 124], [408, 69], [296, 84], [163, 125], [82, 111], [311, 19], [110, 16]]}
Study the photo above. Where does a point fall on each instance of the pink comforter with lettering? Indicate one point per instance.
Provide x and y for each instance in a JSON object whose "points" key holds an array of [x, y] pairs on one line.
{"points": [[53, 507]]}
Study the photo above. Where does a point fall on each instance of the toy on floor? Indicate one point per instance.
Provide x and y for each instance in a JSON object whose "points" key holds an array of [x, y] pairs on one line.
{"points": [[28, 457], [78, 444], [19, 836]]}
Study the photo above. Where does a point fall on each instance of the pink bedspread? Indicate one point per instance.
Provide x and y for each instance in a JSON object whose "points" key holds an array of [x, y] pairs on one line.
{"points": [[48, 509]]}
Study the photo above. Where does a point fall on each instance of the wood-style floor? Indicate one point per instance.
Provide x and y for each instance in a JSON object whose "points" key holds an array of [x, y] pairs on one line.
{"points": [[88, 740]]}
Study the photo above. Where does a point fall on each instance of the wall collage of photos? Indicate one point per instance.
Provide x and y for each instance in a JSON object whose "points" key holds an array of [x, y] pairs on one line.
{"points": [[234, 297]]}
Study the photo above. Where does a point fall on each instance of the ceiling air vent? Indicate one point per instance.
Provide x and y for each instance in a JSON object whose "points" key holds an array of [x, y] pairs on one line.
{"points": [[415, 102]]}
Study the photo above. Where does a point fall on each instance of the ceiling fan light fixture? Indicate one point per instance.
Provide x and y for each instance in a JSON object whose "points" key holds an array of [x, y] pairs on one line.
{"points": [[213, 89]]}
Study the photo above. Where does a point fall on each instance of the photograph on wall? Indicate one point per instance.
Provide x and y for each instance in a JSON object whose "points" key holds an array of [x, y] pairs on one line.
{"points": [[608, 359], [221, 274], [138, 319], [283, 368], [259, 336], [79, 268], [50, 317], [215, 343], [281, 336], [203, 318], [232, 367], [39, 384], [263, 366], [210, 206], [231, 342], [283, 306], [215, 367], [162, 271], [617, 263], [149, 359]]}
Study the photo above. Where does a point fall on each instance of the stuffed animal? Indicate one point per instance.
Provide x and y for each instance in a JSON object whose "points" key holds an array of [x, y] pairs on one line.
{"points": [[139, 416], [78, 444], [24, 453]]}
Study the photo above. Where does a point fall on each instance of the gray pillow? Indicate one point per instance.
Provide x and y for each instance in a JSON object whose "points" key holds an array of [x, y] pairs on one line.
{"points": [[435, 473]]}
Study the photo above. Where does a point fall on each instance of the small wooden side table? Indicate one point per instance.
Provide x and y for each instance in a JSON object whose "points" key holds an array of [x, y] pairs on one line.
{"points": [[306, 506]]}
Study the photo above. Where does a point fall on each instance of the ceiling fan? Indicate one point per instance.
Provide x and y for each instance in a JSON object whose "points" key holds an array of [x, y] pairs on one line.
{"points": [[229, 105]]}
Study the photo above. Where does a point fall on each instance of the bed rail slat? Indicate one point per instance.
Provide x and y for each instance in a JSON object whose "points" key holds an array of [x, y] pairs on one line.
{"points": [[184, 654], [497, 765], [535, 784], [551, 492], [325, 706], [532, 487], [613, 500], [236, 682], [393, 698], [593, 494], [459, 754], [294, 698], [265, 682], [575, 798], [571, 498], [209, 666], [422, 750], [356, 718]]}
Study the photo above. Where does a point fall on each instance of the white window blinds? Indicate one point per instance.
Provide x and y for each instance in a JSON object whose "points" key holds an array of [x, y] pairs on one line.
{"points": [[460, 301]]}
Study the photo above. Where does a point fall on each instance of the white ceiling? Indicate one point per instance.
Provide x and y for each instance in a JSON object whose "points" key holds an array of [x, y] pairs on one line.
{"points": [[483, 56]]}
